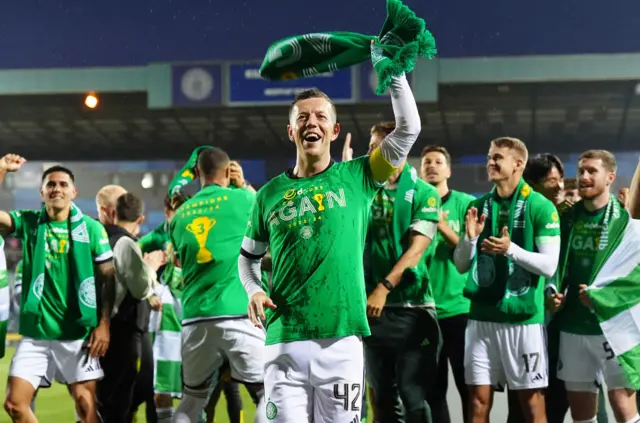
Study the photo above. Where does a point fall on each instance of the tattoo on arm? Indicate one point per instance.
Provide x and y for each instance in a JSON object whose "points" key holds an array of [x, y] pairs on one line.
{"points": [[106, 286]]}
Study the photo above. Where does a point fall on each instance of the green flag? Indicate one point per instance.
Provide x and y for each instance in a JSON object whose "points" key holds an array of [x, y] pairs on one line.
{"points": [[402, 39]]}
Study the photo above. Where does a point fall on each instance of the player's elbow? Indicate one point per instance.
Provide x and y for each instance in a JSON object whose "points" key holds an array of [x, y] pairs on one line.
{"points": [[409, 127], [550, 269]]}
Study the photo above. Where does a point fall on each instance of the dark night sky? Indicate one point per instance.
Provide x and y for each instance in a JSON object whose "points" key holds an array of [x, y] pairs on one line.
{"points": [[49, 33]]}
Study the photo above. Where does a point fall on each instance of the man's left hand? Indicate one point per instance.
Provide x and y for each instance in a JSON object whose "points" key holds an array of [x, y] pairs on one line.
{"points": [[493, 245], [376, 301], [99, 340], [584, 297]]}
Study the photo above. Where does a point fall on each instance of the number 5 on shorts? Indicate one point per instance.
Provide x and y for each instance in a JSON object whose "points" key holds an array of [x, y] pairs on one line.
{"points": [[531, 362], [607, 348], [345, 395]]}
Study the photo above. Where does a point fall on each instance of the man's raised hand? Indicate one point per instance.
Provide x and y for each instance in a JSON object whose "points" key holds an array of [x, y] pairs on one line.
{"points": [[11, 163], [347, 151]]}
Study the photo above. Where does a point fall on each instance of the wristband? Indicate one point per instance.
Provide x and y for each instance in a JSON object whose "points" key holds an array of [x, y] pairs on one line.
{"points": [[387, 284]]}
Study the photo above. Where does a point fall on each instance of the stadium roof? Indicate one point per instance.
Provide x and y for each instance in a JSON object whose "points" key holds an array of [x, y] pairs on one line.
{"points": [[559, 117]]}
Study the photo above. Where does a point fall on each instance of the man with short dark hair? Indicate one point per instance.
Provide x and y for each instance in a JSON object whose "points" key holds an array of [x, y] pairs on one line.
{"points": [[545, 174], [571, 192], [206, 234], [66, 301], [446, 282], [135, 278]]}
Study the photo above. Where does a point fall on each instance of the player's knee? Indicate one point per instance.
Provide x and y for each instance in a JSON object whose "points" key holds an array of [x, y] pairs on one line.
{"points": [[163, 400], [84, 400], [16, 409]]}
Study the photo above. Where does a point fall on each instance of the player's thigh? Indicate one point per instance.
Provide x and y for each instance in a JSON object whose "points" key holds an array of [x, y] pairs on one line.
{"points": [[523, 349], [287, 391], [31, 361], [577, 366], [244, 348], [201, 356], [337, 375], [73, 362], [482, 363]]}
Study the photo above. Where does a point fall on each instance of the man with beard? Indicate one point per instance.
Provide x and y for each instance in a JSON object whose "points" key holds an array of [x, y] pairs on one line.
{"points": [[585, 232], [512, 243], [446, 282]]}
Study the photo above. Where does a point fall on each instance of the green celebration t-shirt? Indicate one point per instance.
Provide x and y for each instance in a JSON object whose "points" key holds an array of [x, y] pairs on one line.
{"points": [[574, 317], [59, 304], [425, 207], [446, 282], [315, 228], [206, 234], [155, 240], [546, 226]]}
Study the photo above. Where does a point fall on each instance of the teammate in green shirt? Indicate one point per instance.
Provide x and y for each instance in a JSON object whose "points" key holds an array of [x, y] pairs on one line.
{"points": [[62, 330], [314, 219], [206, 234], [512, 242], [446, 282], [402, 351], [580, 333]]}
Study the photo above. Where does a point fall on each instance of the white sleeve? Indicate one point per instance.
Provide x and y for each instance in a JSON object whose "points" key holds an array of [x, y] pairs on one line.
{"points": [[396, 146], [425, 227], [464, 253], [131, 268], [544, 262], [250, 274]]}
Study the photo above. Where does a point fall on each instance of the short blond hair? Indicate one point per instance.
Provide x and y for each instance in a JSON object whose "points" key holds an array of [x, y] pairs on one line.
{"points": [[108, 195], [608, 159], [512, 144]]}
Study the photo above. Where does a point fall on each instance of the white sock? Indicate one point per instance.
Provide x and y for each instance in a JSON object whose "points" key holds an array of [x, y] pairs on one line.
{"points": [[189, 409], [165, 415], [634, 419], [594, 419]]}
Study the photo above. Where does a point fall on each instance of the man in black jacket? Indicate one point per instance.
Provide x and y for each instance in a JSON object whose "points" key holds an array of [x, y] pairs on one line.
{"points": [[135, 277]]}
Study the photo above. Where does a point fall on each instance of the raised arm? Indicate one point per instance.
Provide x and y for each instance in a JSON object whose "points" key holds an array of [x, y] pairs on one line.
{"points": [[8, 163], [395, 147], [634, 194]]}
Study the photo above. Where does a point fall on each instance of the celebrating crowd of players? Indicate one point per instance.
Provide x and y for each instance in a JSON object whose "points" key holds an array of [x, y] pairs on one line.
{"points": [[330, 269]]}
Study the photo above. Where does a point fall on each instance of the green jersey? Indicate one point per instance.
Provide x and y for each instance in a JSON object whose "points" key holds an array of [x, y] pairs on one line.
{"points": [[206, 234], [59, 304], [574, 317], [446, 282], [315, 228], [425, 208], [546, 226], [155, 240]]}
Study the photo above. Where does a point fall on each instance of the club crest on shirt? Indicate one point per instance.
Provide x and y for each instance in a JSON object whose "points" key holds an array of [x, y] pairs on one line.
{"points": [[87, 292], [306, 232], [272, 411]]}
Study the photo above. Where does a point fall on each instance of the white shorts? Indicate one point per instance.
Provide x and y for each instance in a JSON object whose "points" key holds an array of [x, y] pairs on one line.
{"points": [[586, 361], [38, 362], [208, 344], [499, 353], [320, 381]]}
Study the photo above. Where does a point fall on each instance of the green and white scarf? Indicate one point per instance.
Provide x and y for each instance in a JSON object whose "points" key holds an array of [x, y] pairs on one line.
{"points": [[187, 174], [402, 39], [5, 299], [496, 279], [164, 328], [80, 267], [612, 212]]}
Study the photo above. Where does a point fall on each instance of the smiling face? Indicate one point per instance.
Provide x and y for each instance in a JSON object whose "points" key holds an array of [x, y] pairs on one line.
{"points": [[312, 126], [502, 163], [594, 178], [58, 190]]}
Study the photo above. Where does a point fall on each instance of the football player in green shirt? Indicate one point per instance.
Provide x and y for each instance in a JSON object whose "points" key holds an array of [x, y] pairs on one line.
{"points": [[446, 282], [402, 351], [512, 243], [68, 274], [580, 332], [314, 219]]}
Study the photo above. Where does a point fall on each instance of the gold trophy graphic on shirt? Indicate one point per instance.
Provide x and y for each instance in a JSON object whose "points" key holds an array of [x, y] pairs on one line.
{"points": [[200, 227]]}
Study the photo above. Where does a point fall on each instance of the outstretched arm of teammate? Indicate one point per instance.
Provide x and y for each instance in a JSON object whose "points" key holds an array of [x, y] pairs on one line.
{"points": [[8, 163], [395, 147]]}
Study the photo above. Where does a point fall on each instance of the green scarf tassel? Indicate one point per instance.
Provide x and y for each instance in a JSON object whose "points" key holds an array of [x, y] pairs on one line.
{"points": [[402, 39], [188, 172]]}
